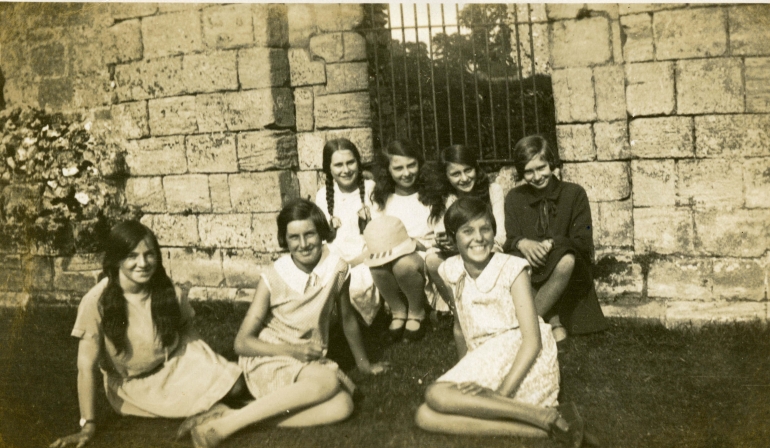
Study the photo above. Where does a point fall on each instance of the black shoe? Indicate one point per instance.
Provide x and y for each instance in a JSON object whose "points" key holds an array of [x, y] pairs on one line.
{"points": [[397, 333], [415, 335]]}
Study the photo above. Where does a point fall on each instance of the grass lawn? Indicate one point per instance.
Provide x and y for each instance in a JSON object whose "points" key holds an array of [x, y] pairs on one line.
{"points": [[638, 385]]}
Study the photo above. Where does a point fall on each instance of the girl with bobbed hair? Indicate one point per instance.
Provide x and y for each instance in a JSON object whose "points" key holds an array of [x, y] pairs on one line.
{"points": [[345, 199], [137, 328], [282, 342], [457, 174], [548, 222], [400, 192]]}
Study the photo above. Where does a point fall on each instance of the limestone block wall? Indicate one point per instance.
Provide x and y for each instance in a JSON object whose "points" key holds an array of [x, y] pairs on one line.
{"points": [[663, 114], [222, 111]]}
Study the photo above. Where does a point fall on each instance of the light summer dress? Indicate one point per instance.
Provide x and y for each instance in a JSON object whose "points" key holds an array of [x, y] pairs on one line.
{"points": [[148, 380], [302, 306], [488, 319]]}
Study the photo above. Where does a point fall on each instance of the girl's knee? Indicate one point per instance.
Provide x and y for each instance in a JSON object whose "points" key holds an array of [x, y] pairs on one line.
{"points": [[426, 418], [340, 407], [566, 264], [408, 265], [322, 380], [432, 262], [436, 397]]}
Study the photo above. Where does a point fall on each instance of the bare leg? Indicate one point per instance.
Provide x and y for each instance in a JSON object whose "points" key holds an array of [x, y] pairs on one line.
{"points": [[409, 271], [434, 421], [388, 286], [446, 398], [333, 410], [315, 384], [432, 262], [555, 286]]}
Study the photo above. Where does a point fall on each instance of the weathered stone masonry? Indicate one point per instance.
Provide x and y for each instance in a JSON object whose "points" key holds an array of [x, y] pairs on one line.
{"points": [[663, 115]]}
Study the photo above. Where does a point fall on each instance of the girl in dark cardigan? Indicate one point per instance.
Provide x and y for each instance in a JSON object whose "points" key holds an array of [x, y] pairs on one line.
{"points": [[548, 222]]}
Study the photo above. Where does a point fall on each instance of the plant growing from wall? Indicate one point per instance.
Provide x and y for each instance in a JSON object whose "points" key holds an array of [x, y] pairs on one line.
{"points": [[61, 188]]}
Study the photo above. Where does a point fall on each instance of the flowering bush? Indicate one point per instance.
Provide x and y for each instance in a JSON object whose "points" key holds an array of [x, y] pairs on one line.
{"points": [[61, 189]]}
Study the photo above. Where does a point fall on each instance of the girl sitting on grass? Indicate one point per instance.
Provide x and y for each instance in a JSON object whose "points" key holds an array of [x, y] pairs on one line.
{"points": [[398, 193], [138, 329], [458, 174], [283, 339], [548, 222], [507, 379], [346, 202]]}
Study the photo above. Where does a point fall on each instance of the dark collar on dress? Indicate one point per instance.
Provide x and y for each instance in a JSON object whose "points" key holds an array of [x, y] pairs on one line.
{"points": [[551, 192]]}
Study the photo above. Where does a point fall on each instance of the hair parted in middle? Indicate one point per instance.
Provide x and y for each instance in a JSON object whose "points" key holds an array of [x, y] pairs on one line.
{"points": [[300, 210], [463, 211], [384, 183], [437, 186], [531, 146], [332, 146]]}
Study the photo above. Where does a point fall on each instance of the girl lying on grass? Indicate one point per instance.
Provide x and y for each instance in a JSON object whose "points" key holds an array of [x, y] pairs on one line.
{"points": [[138, 329], [283, 339], [548, 222], [507, 379]]}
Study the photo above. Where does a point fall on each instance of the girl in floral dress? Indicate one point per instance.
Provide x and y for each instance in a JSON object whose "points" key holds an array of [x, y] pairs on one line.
{"points": [[507, 379]]}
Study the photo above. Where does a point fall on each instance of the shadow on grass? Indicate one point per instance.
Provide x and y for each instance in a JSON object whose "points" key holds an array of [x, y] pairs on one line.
{"points": [[637, 384]]}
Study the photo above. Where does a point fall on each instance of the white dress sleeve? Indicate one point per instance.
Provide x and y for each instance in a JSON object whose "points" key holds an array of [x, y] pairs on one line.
{"points": [[497, 199]]}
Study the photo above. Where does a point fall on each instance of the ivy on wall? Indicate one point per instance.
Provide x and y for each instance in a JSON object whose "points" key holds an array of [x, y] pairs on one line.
{"points": [[61, 188]]}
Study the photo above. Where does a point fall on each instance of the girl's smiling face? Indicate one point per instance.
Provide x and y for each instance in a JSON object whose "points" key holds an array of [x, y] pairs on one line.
{"points": [[404, 172], [136, 270], [475, 240], [344, 169], [304, 244], [461, 177], [537, 172]]}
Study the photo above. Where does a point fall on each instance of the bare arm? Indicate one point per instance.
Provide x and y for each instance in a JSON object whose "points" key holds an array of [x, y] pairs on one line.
{"points": [[247, 342], [530, 333], [459, 337], [353, 334], [88, 355]]}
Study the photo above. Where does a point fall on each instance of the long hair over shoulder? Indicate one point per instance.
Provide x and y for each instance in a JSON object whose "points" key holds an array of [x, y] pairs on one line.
{"points": [[166, 315], [384, 183], [437, 186]]}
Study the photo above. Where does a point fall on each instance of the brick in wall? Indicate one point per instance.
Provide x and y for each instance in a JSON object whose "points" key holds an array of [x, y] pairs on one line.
{"points": [[175, 115], [663, 230], [739, 233], [654, 182], [211, 153], [709, 85], [603, 181], [130, 120], [228, 26], [609, 82], [171, 34], [219, 189], [123, 42], [38, 272], [262, 192], [616, 224], [710, 182], [749, 30], [650, 88], [738, 279], [338, 16], [558, 11], [346, 77], [225, 230], [661, 137], [156, 156], [573, 95], [145, 79], [244, 110], [328, 47], [174, 230], [303, 105], [209, 72], [308, 184], [11, 276], [271, 25], [611, 140], [197, 267], [732, 135], [757, 76], [243, 268], [146, 193], [681, 278], [705, 36], [575, 142], [694, 313], [267, 150], [303, 70], [120, 11], [580, 43], [187, 193], [260, 68], [345, 110], [355, 46], [638, 45], [756, 174], [265, 232]]}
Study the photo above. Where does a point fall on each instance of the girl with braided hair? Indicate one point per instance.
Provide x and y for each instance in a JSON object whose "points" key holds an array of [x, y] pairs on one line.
{"points": [[345, 200]]}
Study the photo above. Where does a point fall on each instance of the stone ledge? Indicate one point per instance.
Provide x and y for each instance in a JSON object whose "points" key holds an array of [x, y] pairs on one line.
{"points": [[698, 313]]}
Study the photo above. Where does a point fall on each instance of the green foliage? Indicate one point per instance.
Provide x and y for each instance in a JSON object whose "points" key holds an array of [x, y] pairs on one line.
{"points": [[465, 87], [61, 189]]}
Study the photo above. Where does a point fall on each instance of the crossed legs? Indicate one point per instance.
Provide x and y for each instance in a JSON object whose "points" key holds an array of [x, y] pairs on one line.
{"points": [[550, 292]]}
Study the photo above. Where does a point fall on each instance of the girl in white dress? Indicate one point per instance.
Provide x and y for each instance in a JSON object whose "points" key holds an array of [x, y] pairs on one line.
{"points": [[346, 202], [283, 339], [398, 192], [507, 379]]}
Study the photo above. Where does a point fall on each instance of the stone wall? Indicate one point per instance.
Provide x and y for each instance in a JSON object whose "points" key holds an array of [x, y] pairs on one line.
{"points": [[222, 111], [663, 114]]}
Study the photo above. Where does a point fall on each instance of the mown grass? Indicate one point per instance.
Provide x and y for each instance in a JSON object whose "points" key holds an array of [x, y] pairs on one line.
{"points": [[637, 384]]}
